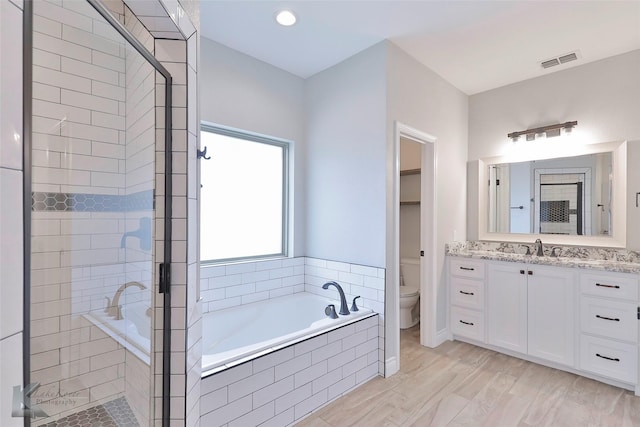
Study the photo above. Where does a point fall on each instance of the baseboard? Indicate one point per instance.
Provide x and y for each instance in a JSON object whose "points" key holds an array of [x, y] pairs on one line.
{"points": [[390, 366], [441, 336]]}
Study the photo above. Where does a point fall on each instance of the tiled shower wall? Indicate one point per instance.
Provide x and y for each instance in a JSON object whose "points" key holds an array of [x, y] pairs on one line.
{"points": [[93, 153], [224, 286], [11, 223]]}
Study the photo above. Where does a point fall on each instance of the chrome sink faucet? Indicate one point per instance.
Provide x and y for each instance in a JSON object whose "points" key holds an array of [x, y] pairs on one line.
{"points": [[344, 309], [114, 308], [539, 251]]}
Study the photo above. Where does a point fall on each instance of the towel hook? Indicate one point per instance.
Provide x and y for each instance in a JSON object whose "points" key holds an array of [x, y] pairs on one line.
{"points": [[203, 154]]}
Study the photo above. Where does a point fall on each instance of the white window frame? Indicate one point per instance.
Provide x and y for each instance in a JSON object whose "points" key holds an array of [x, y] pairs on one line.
{"points": [[286, 185]]}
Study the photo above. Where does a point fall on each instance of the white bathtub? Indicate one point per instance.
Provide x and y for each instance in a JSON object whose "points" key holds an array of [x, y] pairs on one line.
{"points": [[132, 332], [236, 334]]}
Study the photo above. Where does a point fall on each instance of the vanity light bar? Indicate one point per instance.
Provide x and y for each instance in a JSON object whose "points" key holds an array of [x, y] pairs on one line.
{"points": [[549, 131]]}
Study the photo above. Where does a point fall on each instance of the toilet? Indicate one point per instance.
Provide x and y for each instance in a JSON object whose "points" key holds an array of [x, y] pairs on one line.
{"points": [[409, 292]]}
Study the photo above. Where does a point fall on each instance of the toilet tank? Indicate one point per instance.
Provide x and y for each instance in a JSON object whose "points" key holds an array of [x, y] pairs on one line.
{"points": [[410, 271]]}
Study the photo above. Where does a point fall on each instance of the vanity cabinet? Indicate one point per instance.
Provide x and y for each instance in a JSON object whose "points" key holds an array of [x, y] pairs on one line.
{"points": [[609, 314], [530, 310], [466, 279]]}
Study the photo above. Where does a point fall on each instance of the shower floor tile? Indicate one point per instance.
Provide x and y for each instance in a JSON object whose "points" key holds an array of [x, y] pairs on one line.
{"points": [[115, 413]]}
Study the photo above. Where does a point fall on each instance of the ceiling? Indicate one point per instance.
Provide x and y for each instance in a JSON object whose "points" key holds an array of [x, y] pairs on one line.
{"points": [[474, 45]]}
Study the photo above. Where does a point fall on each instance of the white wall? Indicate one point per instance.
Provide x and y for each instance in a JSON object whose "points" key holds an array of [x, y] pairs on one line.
{"points": [[346, 157], [242, 92], [420, 98], [604, 97]]}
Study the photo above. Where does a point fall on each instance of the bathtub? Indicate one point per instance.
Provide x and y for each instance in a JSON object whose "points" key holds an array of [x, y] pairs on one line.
{"points": [[132, 331], [235, 335]]}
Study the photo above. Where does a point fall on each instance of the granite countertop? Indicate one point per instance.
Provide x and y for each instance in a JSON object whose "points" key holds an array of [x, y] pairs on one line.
{"points": [[606, 259]]}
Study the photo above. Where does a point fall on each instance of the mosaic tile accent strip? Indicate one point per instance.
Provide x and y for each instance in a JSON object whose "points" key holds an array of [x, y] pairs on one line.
{"points": [[115, 413], [84, 202]]}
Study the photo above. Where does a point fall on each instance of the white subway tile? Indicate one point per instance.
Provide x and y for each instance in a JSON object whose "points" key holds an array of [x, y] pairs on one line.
{"points": [[54, 78], [367, 347], [272, 392], [340, 333], [46, 59], [88, 39], [255, 276], [255, 417], [326, 351], [311, 373], [267, 285], [327, 380], [254, 297], [341, 387], [47, 26], [110, 91], [61, 112], [229, 412], [353, 366], [341, 359], [234, 291], [275, 293], [355, 279], [46, 92], [292, 366], [208, 271], [370, 371], [310, 344], [224, 281], [61, 47], [290, 399], [170, 50], [280, 272], [308, 405], [364, 270], [338, 266], [90, 102], [111, 62], [315, 262], [273, 359], [374, 283], [250, 384], [65, 16], [240, 268], [268, 265]]}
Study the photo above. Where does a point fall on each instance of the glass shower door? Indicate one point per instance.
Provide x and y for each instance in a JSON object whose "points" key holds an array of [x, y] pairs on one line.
{"points": [[93, 220]]}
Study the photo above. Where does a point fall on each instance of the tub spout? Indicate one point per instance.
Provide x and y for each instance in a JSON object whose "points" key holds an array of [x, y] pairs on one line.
{"points": [[344, 309]]}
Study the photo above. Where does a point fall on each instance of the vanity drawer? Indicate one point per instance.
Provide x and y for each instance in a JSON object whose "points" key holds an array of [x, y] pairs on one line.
{"points": [[467, 323], [471, 269], [467, 293], [611, 319], [608, 358], [610, 285]]}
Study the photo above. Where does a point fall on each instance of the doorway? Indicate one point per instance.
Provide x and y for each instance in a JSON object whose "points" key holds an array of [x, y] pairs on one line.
{"points": [[422, 145]]}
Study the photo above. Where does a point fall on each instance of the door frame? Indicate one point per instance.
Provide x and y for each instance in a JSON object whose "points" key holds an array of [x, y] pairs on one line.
{"points": [[428, 276]]}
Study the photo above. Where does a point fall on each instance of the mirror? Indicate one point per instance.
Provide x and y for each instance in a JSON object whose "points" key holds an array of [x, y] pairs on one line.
{"points": [[575, 198], [567, 196]]}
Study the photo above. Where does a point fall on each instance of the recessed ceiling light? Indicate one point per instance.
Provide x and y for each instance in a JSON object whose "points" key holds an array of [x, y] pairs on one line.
{"points": [[286, 18]]}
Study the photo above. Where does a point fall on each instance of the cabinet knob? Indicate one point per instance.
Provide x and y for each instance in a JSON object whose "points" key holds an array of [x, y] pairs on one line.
{"points": [[521, 271], [530, 273]]}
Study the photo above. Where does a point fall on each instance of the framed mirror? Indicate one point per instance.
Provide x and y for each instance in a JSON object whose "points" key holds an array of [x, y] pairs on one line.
{"points": [[573, 198]]}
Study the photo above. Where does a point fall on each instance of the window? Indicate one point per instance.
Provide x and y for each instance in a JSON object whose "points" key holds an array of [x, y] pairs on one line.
{"points": [[243, 198]]}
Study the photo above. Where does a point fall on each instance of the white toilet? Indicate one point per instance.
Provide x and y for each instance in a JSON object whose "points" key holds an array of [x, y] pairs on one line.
{"points": [[409, 292]]}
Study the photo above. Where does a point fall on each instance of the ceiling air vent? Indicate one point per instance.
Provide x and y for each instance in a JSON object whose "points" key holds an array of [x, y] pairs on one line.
{"points": [[562, 59]]}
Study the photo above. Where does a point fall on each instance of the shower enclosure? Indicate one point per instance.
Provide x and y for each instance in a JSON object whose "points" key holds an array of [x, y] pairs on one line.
{"points": [[96, 196]]}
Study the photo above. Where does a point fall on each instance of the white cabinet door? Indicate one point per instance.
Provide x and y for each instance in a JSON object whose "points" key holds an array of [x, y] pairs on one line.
{"points": [[551, 317], [506, 311]]}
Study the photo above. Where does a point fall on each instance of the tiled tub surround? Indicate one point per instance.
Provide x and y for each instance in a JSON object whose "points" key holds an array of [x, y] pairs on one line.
{"points": [[608, 259], [284, 386], [224, 286]]}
